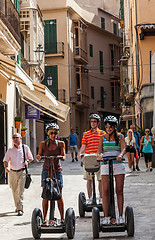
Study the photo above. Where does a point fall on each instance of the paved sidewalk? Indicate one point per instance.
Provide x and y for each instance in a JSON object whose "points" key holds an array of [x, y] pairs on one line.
{"points": [[139, 192]]}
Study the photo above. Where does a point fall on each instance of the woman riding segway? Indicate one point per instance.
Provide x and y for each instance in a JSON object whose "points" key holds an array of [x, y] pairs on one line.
{"points": [[112, 144], [52, 147]]}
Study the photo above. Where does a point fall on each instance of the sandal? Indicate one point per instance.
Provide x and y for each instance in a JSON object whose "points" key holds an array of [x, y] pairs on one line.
{"points": [[62, 222]]}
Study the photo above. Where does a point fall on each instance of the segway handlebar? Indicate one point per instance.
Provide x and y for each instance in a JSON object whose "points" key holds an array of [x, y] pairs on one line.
{"points": [[48, 157], [108, 158]]}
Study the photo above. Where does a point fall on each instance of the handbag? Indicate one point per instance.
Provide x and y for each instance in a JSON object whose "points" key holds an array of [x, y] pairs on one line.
{"points": [[51, 190], [28, 175]]}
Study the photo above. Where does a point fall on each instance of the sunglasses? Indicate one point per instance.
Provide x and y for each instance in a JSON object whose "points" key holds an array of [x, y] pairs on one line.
{"points": [[108, 126], [15, 137], [130, 132], [93, 121], [147, 131], [51, 133]]}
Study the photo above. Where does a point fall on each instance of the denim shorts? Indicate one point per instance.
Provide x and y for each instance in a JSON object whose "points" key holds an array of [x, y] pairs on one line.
{"points": [[44, 175]]}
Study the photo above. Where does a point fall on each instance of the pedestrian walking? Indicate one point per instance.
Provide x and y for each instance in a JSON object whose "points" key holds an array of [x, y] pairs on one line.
{"points": [[137, 138], [15, 167], [90, 143], [147, 143], [73, 142], [130, 148]]}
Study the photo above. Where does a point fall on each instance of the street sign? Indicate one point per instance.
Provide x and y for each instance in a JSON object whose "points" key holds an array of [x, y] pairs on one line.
{"points": [[31, 112]]}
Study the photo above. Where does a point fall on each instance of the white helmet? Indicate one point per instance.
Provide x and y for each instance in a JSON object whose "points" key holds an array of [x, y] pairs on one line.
{"points": [[95, 116], [52, 126], [111, 119]]}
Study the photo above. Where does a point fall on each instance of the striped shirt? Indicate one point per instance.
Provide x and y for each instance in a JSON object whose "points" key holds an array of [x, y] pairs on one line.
{"points": [[110, 149], [91, 140]]}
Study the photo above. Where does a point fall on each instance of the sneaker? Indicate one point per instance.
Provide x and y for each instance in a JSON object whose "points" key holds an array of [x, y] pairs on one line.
{"points": [[104, 221], [76, 159], [133, 168], [100, 200], [130, 170], [20, 213], [89, 201], [73, 160], [121, 220], [137, 168], [151, 169], [62, 222], [148, 169]]}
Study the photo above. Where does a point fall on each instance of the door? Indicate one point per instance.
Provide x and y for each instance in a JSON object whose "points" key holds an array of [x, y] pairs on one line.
{"points": [[3, 141]]}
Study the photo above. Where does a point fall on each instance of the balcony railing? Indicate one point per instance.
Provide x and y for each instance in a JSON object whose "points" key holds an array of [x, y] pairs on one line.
{"points": [[62, 95], [25, 64], [54, 48], [80, 54], [10, 17], [115, 73]]}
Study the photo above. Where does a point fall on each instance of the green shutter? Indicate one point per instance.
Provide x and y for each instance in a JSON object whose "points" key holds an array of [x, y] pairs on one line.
{"points": [[102, 22], [102, 97], [91, 50], [115, 28], [53, 72], [50, 36], [92, 92], [101, 61], [17, 6], [19, 57]]}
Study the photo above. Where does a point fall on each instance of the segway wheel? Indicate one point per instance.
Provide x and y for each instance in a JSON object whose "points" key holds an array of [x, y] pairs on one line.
{"points": [[82, 203], [70, 223], [36, 223], [129, 219], [95, 222]]}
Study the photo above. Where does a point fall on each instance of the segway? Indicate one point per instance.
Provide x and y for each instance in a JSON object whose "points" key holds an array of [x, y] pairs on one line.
{"points": [[91, 166], [53, 225], [113, 226]]}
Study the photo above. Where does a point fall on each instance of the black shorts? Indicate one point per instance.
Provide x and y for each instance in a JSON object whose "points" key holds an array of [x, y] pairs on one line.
{"points": [[130, 149], [148, 157]]}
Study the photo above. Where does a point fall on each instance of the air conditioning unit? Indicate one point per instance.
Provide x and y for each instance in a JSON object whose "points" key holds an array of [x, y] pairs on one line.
{"points": [[131, 88]]}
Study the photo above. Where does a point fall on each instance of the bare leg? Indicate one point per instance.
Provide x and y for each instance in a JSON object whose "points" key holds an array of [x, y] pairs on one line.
{"points": [[60, 204], [119, 191], [45, 208], [89, 188], [105, 194], [72, 154], [132, 159], [129, 159], [100, 188]]}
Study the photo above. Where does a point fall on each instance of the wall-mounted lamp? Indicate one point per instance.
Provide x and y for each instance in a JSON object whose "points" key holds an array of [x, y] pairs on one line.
{"points": [[39, 54], [78, 91], [49, 81], [104, 95]]}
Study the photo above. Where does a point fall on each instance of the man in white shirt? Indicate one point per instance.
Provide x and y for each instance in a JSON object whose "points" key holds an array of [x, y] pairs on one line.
{"points": [[16, 170]]}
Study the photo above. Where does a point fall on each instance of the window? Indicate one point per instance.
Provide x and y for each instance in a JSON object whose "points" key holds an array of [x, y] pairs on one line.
{"points": [[115, 28], [91, 50], [102, 23], [92, 92], [50, 36], [102, 96], [101, 61]]}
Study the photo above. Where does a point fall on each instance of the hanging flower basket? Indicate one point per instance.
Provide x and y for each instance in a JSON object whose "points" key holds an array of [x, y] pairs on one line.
{"points": [[23, 133], [17, 124]]}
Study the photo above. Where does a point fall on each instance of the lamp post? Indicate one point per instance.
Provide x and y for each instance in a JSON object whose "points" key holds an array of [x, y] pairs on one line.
{"points": [[39, 54]]}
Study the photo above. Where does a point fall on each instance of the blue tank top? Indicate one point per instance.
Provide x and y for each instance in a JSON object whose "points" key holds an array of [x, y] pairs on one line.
{"points": [[110, 149], [147, 148], [73, 140]]}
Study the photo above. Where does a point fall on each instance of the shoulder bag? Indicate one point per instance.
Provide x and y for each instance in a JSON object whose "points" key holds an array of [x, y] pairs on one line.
{"points": [[28, 175]]}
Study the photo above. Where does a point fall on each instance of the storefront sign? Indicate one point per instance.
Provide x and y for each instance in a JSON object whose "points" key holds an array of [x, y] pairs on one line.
{"points": [[31, 112]]}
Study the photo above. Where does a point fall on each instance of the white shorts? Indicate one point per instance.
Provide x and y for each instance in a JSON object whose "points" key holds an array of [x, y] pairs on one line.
{"points": [[118, 168], [73, 149], [87, 175]]}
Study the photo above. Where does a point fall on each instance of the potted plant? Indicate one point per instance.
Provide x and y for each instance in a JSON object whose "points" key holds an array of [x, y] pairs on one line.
{"points": [[18, 121], [23, 131]]}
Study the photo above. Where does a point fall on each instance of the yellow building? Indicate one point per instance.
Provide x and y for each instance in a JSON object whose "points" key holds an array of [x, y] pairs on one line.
{"points": [[138, 62], [82, 46]]}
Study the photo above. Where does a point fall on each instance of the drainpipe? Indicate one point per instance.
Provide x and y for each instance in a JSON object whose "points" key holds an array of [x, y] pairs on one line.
{"points": [[69, 57]]}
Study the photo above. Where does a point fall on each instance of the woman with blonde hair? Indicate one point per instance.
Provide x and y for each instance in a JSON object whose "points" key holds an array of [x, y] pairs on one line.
{"points": [[130, 149]]}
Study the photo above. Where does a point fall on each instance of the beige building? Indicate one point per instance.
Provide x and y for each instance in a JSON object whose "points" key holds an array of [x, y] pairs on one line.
{"points": [[82, 47], [138, 62]]}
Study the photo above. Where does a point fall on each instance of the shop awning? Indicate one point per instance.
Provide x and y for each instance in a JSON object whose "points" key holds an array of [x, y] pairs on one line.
{"points": [[45, 99]]}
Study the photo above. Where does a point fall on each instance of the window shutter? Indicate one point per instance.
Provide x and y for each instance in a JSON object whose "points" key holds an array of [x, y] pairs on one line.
{"points": [[50, 36], [53, 72]]}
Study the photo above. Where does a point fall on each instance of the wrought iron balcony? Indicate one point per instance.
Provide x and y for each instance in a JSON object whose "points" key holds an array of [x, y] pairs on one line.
{"points": [[10, 17], [82, 100], [54, 48]]}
